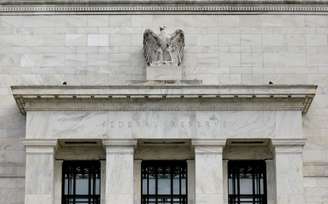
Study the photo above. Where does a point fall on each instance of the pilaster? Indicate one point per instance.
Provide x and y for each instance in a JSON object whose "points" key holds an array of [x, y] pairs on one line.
{"points": [[103, 182], [119, 171], [191, 181], [208, 171], [288, 162], [58, 181], [40, 171], [137, 181]]}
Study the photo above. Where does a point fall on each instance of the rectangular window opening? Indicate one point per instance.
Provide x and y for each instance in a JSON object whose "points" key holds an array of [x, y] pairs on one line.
{"points": [[247, 182], [81, 182], [164, 182]]}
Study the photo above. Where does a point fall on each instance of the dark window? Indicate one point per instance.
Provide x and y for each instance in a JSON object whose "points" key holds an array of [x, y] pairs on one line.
{"points": [[247, 182], [164, 182], [81, 182]]}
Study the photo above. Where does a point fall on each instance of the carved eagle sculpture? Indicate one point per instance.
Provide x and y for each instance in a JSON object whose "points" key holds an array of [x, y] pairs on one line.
{"points": [[163, 48]]}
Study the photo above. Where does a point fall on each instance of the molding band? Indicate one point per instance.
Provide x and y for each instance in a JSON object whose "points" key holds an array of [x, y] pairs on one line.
{"points": [[176, 7]]}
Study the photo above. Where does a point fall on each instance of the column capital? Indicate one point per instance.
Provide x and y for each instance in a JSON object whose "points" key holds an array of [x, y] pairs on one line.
{"points": [[209, 142], [40, 142], [42, 146], [120, 142], [288, 142], [208, 146], [288, 145]]}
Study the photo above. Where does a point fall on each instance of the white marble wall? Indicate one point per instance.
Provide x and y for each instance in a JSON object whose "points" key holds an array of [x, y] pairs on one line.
{"points": [[220, 49]]}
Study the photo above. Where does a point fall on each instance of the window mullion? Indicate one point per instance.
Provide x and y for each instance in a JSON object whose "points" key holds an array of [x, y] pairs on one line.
{"points": [[171, 180], [253, 184], [74, 185]]}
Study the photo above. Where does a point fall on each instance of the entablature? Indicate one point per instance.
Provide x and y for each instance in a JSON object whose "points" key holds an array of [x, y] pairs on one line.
{"points": [[164, 98]]}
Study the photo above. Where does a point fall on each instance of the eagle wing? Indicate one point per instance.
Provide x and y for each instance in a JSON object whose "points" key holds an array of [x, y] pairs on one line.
{"points": [[151, 43], [177, 45]]}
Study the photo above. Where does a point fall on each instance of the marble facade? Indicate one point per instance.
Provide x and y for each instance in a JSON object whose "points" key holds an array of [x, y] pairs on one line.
{"points": [[130, 136], [241, 80]]}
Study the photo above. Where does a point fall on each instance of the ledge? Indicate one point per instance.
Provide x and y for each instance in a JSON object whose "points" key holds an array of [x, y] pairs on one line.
{"points": [[105, 7], [164, 98]]}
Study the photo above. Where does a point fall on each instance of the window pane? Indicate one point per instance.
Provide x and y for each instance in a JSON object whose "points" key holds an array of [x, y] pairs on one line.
{"points": [[164, 180], [176, 184], [66, 185], [246, 184], [230, 186], [183, 186], [82, 184], [152, 185], [98, 185]]}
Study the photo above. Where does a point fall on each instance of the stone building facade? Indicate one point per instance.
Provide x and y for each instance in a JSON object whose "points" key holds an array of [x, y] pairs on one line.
{"points": [[80, 121]]}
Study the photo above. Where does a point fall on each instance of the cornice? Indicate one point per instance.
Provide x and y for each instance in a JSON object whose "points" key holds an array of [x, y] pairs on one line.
{"points": [[202, 7], [164, 98]]}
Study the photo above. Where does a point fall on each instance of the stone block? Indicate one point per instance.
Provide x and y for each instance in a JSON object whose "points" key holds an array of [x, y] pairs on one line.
{"points": [[164, 72], [274, 40], [75, 40], [98, 21], [98, 40]]}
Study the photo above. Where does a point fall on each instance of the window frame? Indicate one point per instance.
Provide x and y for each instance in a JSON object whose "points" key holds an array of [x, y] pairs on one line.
{"points": [[259, 171], [94, 170]]}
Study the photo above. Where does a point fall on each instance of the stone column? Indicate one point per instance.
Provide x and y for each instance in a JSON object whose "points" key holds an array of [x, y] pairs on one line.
{"points": [[271, 181], [39, 173], [288, 162], [58, 181], [191, 181], [137, 181], [119, 171], [103, 182], [208, 171]]}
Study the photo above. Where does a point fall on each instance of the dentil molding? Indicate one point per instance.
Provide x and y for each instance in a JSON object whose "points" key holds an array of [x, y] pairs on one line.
{"points": [[202, 7]]}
